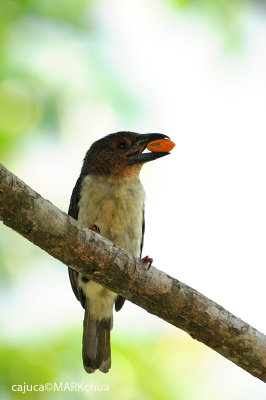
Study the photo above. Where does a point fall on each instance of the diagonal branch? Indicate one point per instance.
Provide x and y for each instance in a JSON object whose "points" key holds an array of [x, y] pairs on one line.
{"points": [[96, 257]]}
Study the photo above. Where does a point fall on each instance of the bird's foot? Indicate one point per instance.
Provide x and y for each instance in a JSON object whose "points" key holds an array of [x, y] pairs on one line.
{"points": [[147, 260], [94, 228]]}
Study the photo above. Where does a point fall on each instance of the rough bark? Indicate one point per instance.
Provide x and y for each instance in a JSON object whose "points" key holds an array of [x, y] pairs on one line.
{"points": [[35, 218]]}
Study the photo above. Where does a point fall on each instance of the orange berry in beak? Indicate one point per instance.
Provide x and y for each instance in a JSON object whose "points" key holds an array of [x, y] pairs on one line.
{"points": [[161, 145]]}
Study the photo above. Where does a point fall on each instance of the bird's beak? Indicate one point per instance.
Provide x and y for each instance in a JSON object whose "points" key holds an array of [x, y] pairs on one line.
{"points": [[135, 154]]}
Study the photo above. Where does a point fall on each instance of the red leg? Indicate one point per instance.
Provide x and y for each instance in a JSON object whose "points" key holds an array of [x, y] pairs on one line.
{"points": [[147, 260], [94, 228]]}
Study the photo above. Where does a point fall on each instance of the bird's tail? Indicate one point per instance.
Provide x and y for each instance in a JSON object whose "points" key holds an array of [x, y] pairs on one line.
{"points": [[96, 349]]}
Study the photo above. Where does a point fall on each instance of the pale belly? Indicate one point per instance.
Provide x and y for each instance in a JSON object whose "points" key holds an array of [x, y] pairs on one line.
{"points": [[117, 210]]}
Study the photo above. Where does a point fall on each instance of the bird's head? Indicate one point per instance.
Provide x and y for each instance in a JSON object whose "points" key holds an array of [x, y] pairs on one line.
{"points": [[120, 154]]}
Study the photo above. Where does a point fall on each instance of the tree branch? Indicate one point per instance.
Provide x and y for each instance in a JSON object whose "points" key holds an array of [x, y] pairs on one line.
{"points": [[96, 257]]}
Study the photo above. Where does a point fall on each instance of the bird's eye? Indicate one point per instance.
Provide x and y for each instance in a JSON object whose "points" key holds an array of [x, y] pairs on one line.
{"points": [[122, 145]]}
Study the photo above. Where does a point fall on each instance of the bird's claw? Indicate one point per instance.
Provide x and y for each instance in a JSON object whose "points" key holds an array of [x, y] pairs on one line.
{"points": [[94, 228], [148, 260]]}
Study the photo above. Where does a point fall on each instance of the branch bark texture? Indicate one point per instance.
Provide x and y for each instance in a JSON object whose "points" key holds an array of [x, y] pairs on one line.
{"points": [[38, 220]]}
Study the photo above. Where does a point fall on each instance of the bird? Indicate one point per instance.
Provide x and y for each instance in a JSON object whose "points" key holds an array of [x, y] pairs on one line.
{"points": [[109, 198]]}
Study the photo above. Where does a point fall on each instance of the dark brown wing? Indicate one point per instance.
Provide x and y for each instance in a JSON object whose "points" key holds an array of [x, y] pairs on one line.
{"points": [[120, 300], [143, 231], [73, 211]]}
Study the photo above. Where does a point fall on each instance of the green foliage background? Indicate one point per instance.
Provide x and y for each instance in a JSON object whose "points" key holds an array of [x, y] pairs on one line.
{"points": [[34, 103]]}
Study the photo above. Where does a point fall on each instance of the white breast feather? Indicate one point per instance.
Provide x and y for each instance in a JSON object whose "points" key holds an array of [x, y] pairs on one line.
{"points": [[117, 209]]}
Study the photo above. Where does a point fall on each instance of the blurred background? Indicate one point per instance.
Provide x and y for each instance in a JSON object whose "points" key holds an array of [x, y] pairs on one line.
{"points": [[74, 71]]}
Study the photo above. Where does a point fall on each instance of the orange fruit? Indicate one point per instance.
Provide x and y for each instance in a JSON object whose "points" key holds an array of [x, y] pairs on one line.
{"points": [[161, 145]]}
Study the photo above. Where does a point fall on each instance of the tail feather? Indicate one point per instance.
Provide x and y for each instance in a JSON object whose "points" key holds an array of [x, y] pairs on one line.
{"points": [[96, 349], [105, 350]]}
